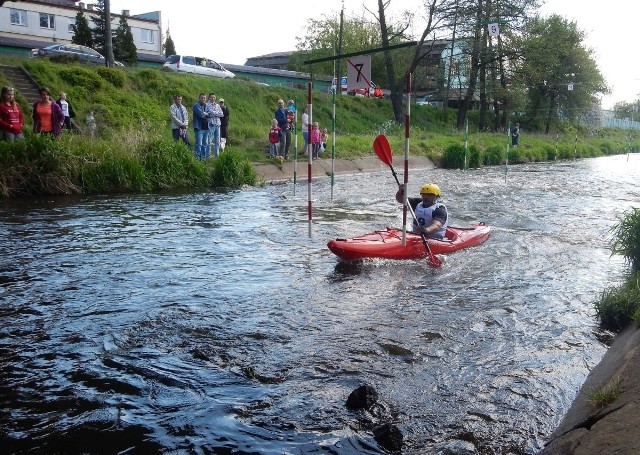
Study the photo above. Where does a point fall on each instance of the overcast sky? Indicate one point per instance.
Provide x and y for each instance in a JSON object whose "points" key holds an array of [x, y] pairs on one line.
{"points": [[230, 31]]}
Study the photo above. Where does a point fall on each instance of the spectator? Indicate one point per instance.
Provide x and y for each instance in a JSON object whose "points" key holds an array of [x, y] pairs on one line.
{"points": [[305, 128], [11, 119], [280, 115], [91, 124], [47, 115], [224, 124], [179, 120], [275, 133], [315, 139], [290, 126], [324, 136], [515, 135], [67, 110], [215, 113], [201, 126]]}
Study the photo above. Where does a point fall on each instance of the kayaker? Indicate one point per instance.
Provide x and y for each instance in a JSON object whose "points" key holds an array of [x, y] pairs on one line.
{"points": [[431, 215]]}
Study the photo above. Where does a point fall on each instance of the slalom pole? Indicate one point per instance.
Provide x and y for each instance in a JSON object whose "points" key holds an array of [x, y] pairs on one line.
{"points": [[333, 141], [466, 144], [575, 147], [309, 151], [506, 162], [555, 157], [407, 127], [295, 147]]}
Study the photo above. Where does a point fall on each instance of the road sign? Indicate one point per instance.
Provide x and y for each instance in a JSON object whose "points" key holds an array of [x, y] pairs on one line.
{"points": [[359, 72]]}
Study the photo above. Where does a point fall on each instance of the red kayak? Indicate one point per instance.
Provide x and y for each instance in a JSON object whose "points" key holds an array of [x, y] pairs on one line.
{"points": [[387, 243]]}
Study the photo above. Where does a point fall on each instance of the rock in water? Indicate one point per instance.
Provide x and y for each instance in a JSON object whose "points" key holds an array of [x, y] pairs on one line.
{"points": [[389, 437], [363, 397]]}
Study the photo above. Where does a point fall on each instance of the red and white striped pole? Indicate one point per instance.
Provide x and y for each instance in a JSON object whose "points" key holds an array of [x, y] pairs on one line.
{"points": [[407, 127], [309, 151]]}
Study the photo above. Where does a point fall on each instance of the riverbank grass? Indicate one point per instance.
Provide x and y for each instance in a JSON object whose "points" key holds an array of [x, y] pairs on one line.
{"points": [[620, 306], [606, 394]]}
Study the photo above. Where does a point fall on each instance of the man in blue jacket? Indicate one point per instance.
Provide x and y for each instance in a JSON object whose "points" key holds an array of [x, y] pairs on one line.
{"points": [[201, 126]]}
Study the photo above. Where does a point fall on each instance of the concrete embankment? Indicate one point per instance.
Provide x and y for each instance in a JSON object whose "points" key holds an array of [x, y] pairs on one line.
{"points": [[270, 172], [588, 428]]}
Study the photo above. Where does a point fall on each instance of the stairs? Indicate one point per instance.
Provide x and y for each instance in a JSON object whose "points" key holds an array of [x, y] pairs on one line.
{"points": [[28, 87], [22, 82]]}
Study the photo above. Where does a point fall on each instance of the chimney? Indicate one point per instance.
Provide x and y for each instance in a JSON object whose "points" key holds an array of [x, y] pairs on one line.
{"points": [[81, 5], [125, 12]]}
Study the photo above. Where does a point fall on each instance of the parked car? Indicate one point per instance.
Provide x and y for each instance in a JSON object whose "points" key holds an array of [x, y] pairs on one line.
{"points": [[422, 100], [197, 65], [74, 51]]}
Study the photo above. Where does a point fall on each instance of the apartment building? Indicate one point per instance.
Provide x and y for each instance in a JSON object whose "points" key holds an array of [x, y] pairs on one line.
{"points": [[35, 23]]}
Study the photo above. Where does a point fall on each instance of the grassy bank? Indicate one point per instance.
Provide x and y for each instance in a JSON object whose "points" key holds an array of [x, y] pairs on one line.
{"points": [[134, 150]]}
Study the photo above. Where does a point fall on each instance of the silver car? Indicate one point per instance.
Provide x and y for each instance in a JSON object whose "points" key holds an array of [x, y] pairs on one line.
{"points": [[75, 51], [197, 65]]}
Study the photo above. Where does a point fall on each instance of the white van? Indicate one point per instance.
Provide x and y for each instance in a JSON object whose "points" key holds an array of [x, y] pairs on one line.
{"points": [[197, 65]]}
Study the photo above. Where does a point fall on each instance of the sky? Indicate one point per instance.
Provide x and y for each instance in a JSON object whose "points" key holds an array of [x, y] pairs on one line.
{"points": [[232, 31]]}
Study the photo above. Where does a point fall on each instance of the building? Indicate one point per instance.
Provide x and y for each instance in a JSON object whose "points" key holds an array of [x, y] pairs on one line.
{"points": [[28, 24], [275, 60]]}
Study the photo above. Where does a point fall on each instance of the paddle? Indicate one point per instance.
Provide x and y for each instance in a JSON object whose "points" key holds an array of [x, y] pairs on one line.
{"points": [[383, 150]]}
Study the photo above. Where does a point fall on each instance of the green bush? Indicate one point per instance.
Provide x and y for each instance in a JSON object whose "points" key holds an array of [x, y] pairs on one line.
{"points": [[232, 170], [84, 77], [493, 155], [475, 157], [453, 157], [549, 153], [114, 76]]}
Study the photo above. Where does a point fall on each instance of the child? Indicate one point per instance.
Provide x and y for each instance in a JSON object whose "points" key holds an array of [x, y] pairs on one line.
{"points": [[275, 133], [323, 139], [315, 140], [91, 124]]}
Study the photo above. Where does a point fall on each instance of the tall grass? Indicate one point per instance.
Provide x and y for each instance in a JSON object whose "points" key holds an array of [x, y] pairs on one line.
{"points": [[618, 306]]}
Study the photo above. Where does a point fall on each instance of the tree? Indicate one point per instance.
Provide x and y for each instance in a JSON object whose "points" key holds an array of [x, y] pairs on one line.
{"points": [[81, 31], [560, 74], [321, 40], [168, 47], [124, 48], [102, 39], [99, 27]]}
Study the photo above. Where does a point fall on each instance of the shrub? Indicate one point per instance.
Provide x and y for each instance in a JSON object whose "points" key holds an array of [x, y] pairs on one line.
{"points": [[453, 157], [80, 76], [549, 153], [475, 157], [493, 156], [232, 170], [114, 76], [170, 164]]}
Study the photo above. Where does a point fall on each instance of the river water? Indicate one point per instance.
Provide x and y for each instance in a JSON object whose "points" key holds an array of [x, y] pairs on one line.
{"points": [[199, 323]]}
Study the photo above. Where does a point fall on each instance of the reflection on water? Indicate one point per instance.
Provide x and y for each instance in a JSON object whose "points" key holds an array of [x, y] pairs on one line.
{"points": [[213, 323]]}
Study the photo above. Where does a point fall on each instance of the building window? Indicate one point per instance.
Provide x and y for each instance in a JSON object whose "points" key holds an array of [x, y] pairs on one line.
{"points": [[47, 21], [71, 27], [147, 36], [18, 17]]}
